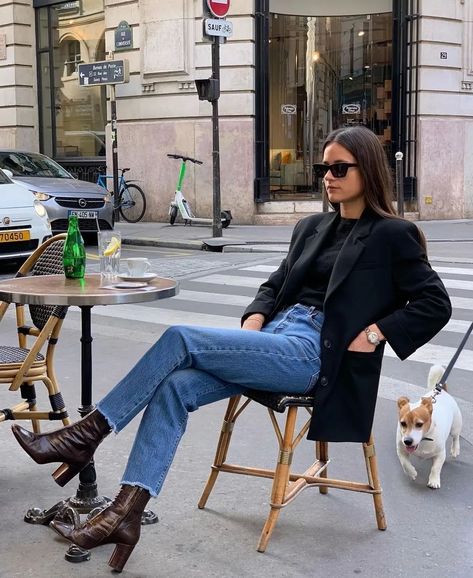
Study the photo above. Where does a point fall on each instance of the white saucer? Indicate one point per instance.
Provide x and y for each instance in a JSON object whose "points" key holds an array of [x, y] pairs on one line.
{"points": [[129, 285], [146, 278]]}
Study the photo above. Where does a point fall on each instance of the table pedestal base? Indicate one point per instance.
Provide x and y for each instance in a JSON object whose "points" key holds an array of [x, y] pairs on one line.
{"points": [[86, 501]]}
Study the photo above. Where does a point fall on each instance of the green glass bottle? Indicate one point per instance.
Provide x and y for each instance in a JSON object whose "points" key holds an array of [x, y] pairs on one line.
{"points": [[73, 256]]}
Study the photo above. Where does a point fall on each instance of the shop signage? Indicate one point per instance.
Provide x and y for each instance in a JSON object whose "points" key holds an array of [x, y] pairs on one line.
{"points": [[288, 109], [219, 8], [3, 46], [104, 72], [218, 27], [123, 36], [353, 108], [69, 8]]}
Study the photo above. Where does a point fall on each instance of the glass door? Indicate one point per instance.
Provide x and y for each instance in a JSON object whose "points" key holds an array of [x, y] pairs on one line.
{"points": [[72, 119], [324, 73]]}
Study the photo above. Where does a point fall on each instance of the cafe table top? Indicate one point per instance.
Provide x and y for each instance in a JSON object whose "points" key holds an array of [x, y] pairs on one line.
{"points": [[89, 291]]}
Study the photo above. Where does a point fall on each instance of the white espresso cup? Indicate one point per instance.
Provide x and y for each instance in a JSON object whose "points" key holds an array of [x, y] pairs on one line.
{"points": [[137, 266]]}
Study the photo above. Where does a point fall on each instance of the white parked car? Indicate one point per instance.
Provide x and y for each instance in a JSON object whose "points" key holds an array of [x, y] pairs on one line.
{"points": [[24, 222]]}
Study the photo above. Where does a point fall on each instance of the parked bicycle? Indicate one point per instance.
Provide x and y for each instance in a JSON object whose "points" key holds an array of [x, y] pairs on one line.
{"points": [[182, 206], [131, 200]]}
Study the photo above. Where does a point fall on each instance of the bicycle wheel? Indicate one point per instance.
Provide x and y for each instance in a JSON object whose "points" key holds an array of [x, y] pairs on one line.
{"points": [[172, 215], [132, 203]]}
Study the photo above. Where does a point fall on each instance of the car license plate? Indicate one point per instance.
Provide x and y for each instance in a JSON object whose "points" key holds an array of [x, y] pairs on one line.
{"points": [[12, 236], [84, 214]]}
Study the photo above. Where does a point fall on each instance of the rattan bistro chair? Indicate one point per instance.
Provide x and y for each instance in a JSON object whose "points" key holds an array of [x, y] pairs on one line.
{"points": [[286, 484], [21, 366]]}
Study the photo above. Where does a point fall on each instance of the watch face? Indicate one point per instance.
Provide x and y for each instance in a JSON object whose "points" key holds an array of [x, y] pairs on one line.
{"points": [[373, 338]]}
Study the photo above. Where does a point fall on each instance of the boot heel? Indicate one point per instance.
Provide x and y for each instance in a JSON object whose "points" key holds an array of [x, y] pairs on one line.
{"points": [[65, 473], [120, 556]]}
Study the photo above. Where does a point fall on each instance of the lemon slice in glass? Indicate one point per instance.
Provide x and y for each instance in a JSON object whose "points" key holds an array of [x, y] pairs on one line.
{"points": [[112, 247]]}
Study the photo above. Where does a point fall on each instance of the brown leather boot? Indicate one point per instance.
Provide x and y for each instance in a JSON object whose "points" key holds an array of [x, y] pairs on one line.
{"points": [[119, 523], [74, 445]]}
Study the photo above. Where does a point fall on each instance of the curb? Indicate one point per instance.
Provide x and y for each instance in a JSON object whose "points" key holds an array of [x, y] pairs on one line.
{"points": [[197, 245], [154, 242], [276, 248]]}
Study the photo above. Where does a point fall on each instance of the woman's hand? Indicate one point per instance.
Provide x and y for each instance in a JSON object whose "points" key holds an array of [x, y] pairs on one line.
{"points": [[361, 343], [254, 322]]}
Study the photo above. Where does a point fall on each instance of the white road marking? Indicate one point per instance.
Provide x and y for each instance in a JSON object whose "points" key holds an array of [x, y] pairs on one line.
{"points": [[432, 354], [260, 268], [454, 270], [166, 316], [217, 298], [461, 302], [458, 284], [236, 280]]}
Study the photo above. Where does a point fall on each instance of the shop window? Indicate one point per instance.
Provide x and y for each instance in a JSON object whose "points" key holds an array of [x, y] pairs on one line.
{"points": [[325, 72], [72, 118]]}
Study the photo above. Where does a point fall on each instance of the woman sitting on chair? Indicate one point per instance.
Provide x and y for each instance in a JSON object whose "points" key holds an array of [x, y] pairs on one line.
{"points": [[353, 279]]}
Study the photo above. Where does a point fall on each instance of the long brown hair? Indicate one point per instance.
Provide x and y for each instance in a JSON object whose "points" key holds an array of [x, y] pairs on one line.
{"points": [[373, 165], [364, 145]]}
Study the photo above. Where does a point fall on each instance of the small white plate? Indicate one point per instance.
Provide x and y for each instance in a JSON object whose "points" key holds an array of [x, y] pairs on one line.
{"points": [[146, 278], [129, 285]]}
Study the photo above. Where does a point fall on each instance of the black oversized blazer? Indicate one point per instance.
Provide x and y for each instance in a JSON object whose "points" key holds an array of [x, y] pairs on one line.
{"points": [[381, 276]]}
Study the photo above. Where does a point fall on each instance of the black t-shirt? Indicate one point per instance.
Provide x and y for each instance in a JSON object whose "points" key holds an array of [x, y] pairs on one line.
{"points": [[314, 286]]}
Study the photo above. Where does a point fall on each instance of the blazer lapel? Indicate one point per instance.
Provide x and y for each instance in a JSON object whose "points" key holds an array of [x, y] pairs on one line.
{"points": [[350, 252], [312, 246], [314, 242]]}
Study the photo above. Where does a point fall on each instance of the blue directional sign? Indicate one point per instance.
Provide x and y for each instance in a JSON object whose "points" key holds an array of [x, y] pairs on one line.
{"points": [[103, 72]]}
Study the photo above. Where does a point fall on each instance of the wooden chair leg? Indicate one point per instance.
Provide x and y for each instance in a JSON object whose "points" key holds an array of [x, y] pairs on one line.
{"points": [[373, 479], [321, 453], [222, 448], [281, 478]]}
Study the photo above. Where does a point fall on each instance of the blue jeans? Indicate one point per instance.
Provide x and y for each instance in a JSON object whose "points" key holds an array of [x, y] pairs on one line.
{"points": [[189, 367]]}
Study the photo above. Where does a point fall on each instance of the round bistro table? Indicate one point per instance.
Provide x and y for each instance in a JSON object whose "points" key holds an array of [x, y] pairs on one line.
{"points": [[85, 294]]}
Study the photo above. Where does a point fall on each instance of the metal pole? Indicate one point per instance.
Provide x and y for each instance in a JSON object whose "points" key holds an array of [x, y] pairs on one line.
{"points": [[399, 184], [113, 116], [217, 220]]}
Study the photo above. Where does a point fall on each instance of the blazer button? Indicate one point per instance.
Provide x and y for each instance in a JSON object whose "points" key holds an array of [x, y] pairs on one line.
{"points": [[327, 343], [323, 381]]}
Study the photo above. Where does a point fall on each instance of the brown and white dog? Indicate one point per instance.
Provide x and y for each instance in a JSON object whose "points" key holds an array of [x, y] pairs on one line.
{"points": [[424, 427]]}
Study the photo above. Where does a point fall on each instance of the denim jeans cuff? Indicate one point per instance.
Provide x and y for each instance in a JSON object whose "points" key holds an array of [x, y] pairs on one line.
{"points": [[152, 492]]}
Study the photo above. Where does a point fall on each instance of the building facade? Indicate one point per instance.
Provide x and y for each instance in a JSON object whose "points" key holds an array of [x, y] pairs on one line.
{"points": [[290, 73]]}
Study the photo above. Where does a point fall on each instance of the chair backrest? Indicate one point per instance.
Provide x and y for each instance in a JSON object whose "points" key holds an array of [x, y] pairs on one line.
{"points": [[49, 262]]}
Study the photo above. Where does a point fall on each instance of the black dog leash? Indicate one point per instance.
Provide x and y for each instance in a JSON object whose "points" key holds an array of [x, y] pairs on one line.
{"points": [[440, 384]]}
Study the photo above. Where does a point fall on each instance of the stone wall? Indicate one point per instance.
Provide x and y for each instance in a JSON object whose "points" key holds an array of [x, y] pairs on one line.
{"points": [[18, 103], [159, 110], [445, 129]]}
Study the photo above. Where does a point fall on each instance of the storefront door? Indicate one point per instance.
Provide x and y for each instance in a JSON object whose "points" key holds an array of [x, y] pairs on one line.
{"points": [[72, 119]]}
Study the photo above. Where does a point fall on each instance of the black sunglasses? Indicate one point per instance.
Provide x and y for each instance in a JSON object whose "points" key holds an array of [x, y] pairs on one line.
{"points": [[338, 170]]}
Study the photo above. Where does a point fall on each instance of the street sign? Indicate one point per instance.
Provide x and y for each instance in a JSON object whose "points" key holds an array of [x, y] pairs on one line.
{"points": [[219, 8], [123, 36], [218, 27], [103, 72]]}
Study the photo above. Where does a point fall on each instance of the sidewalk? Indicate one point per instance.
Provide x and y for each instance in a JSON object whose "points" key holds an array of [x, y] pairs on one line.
{"points": [[259, 238]]}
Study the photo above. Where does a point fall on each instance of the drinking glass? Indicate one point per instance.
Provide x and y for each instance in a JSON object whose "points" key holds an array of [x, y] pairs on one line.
{"points": [[109, 246]]}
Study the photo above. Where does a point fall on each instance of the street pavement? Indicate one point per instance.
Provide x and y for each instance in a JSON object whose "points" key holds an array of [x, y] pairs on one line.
{"points": [[429, 532]]}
